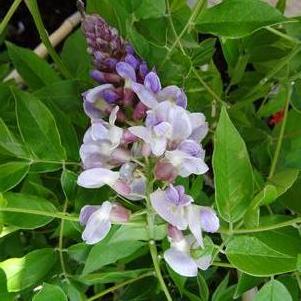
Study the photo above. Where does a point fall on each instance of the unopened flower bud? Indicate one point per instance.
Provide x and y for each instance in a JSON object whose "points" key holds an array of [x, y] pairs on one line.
{"points": [[119, 214], [174, 233], [164, 171], [140, 111]]}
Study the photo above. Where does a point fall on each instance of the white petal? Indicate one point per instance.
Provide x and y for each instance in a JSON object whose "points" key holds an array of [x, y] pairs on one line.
{"points": [[98, 225], [97, 177], [113, 115], [209, 219], [145, 96], [99, 131], [158, 146], [115, 135], [175, 215], [181, 262], [203, 262], [192, 165], [141, 132], [194, 223]]}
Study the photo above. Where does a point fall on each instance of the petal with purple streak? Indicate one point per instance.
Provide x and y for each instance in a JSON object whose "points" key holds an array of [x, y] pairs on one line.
{"points": [[145, 96], [152, 82], [168, 211], [98, 225], [86, 213], [126, 71], [209, 219]]}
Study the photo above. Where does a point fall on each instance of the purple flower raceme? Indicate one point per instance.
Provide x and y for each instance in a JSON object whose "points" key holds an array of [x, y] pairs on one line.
{"points": [[138, 130]]}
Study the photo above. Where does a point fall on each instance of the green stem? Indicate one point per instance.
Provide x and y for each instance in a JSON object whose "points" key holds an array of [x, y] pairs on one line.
{"points": [[281, 134], [197, 9], [120, 285], [282, 35], [222, 264], [178, 41], [61, 242], [152, 244], [264, 228], [59, 215], [34, 10], [9, 14]]}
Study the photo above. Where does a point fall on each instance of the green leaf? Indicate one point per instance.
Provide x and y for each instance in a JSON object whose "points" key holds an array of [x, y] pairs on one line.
{"points": [[35, 71], [11, 174], [273, 291], [9, 144], [50, 292], [68, 182], [109, 277], [265, 253], [245, 283], [4, 294], [237, 18], [37, 127], [150, 9], [134, 232], [275, 187], [21, 215], [118, 250], [233, 173], [26, 271], [75, 50]]}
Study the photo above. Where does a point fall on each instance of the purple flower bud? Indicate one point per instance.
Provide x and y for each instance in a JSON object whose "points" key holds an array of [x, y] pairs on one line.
{"points": [[152, 82], [143, 70], [191, 148], [110, 63], [103, 77], [119, 214], [128, 97], [110, 96], [130, 59], [175, 234], [139, 111], [126, 71], [165, 171], [128, 137], [129, 49]]}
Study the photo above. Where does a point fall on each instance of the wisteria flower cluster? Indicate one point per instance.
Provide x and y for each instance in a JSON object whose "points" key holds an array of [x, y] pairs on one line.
{"points": [[141, 138]]}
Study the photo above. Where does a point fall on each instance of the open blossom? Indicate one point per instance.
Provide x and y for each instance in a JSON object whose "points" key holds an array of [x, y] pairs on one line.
{"points": [[98, 220], [102, 144], [179, 256], [177, 208]]}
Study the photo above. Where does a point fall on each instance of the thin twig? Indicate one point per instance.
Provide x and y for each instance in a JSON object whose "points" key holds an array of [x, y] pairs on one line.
{"points": [[9, 14]]}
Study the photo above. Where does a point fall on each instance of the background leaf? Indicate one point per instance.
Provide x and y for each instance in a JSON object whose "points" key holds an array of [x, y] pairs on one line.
{"points": [[26, 271], [266, 253], [273, 291], [34, 70], [237, 18], [50, 292], [233, 174]]}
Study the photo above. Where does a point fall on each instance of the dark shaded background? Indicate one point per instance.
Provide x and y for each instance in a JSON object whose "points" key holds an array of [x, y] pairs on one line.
{"points": [[21, 29]]}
